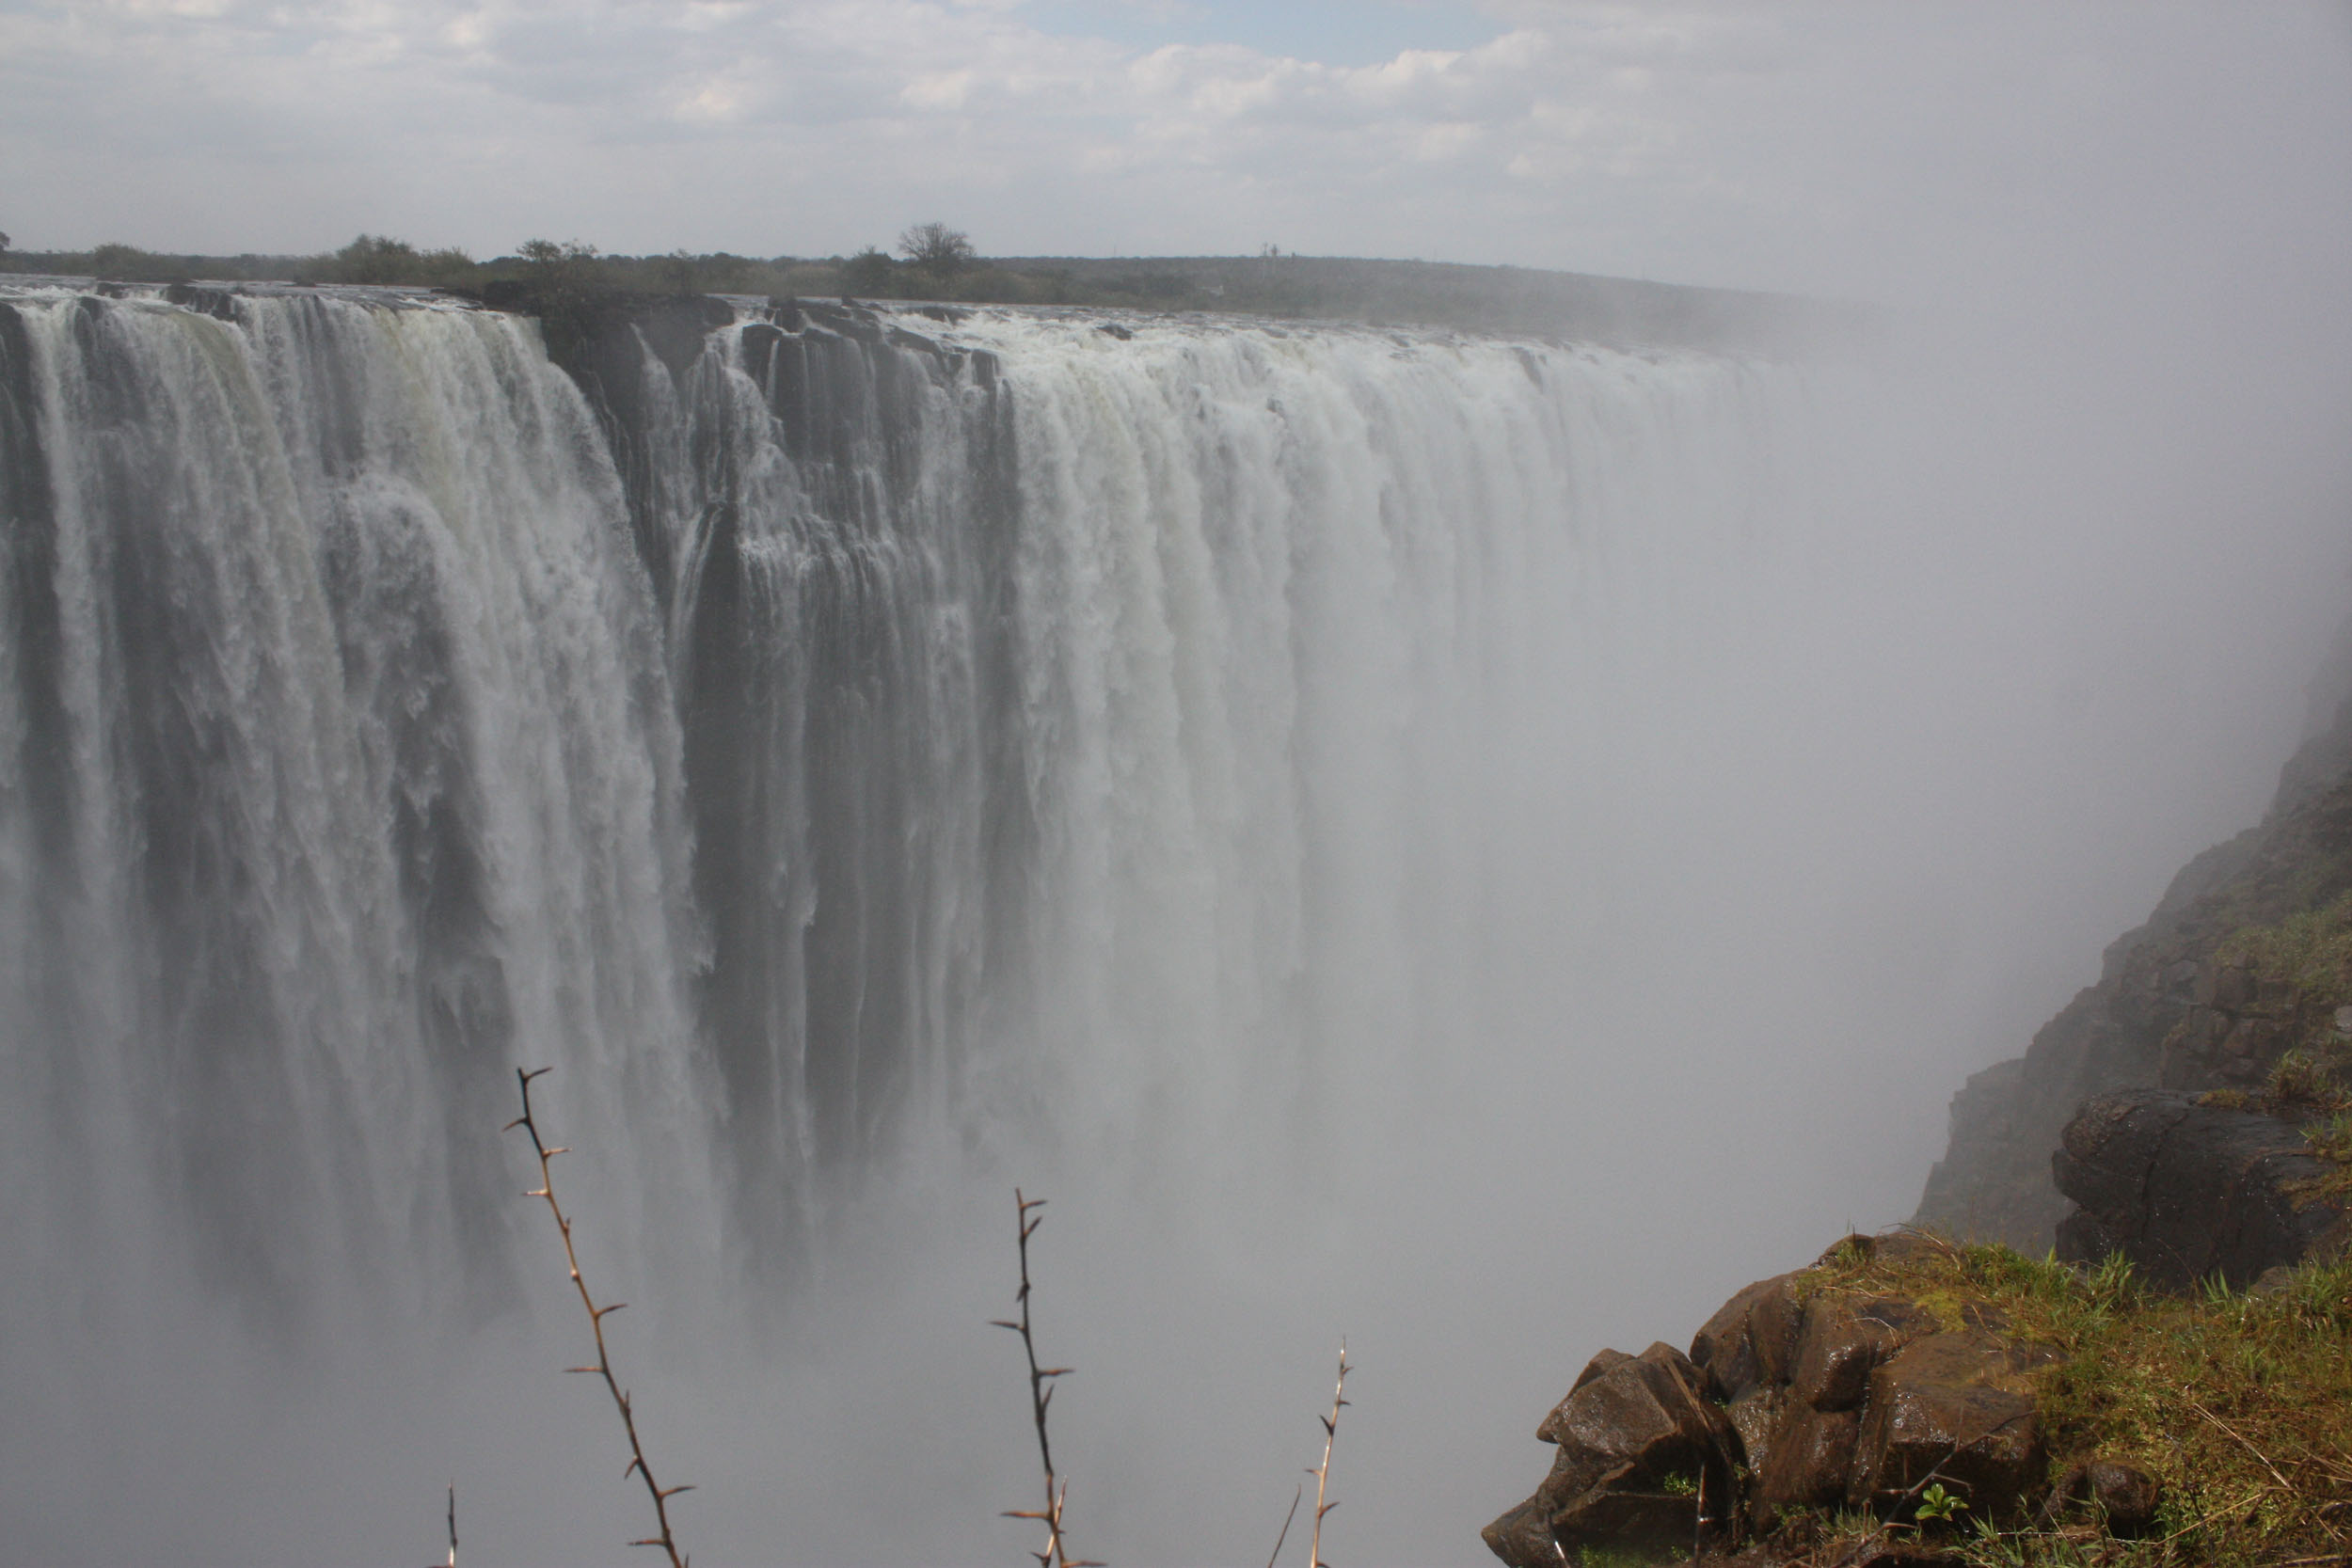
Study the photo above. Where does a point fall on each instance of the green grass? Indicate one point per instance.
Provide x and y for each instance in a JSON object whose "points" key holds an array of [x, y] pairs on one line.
{"points": [[2311, 950], [2240, 1404]]}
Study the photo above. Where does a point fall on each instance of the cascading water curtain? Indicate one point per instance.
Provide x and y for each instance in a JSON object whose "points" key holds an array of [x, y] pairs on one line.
{"points": [[1194, 759], [1053, 728], [342, 772]]}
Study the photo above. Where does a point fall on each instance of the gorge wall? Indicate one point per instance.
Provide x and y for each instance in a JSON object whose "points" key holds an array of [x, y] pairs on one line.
{"points": [[2194, 1000]]}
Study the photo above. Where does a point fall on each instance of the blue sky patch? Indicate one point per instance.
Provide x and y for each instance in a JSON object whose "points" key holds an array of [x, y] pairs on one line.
{"points": [[1335, 32]]}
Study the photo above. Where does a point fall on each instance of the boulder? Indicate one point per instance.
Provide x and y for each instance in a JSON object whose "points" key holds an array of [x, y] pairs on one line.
{"points": [[1643, 1446], [1750, 1341], [2187, 1189], [2122, 1498], [1809, 1463], [1843, 1340], [1953, 1407]]}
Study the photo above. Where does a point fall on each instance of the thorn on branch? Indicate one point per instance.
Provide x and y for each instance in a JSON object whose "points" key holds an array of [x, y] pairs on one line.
{"points": [[1323, 1471], [1041, 1397], [666, 1541]]}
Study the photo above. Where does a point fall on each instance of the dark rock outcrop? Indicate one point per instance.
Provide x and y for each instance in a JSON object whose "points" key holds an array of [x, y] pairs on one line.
{"points": [[2189, 1191], [2170, 1010], [1643, 1449], [1951, 1408]]}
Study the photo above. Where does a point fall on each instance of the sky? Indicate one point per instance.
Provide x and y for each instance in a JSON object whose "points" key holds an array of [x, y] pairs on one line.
{"points": [[1879, 150]]}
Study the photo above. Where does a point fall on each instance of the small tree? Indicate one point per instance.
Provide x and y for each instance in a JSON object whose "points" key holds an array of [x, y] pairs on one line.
{"points": [[867, 272], [377, 259], [549, 253], [937, 249]]}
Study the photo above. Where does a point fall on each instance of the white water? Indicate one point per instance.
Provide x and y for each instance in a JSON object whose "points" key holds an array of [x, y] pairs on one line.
{"points": [[1401, 836]]}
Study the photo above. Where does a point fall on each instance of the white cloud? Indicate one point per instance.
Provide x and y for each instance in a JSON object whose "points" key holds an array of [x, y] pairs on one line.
{"points": [[1851, 147]]}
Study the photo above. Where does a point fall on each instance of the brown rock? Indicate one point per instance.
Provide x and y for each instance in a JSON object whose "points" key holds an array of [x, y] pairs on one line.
{"points": [[1592, 1369], [1617, 1514], [2124, 1498], [1631, 1426], [1522, 1537], [1842, 1339], [1749, 1342], [1756, 1417], [1809, 1463], [1955, 1406]]}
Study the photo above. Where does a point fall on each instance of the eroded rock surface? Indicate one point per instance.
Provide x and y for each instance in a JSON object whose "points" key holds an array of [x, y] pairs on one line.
{"points": [[1644, 1447], [2173, 1007], [1795, 1395], [2187, 1190]]}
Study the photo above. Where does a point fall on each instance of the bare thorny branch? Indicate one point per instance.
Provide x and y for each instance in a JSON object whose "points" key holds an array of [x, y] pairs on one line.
{"points": [[603, 1365], [1323, 1471], [1041, 1395]]}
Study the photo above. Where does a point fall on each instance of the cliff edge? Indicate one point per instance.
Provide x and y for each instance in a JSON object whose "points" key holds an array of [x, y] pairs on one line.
{"points": [[2245, 965]]}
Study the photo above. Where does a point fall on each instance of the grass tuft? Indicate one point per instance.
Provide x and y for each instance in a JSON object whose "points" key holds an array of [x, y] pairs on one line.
{"points": [[2238, 1402]]}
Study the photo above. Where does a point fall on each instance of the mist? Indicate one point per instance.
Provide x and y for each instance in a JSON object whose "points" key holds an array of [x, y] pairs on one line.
{"points": [[1635, 851]]}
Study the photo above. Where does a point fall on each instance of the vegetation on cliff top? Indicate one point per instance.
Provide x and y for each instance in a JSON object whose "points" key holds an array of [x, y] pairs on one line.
{"points": [[940, 264]]}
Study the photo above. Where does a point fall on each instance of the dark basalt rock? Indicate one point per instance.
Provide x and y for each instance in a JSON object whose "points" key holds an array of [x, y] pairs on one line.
{"points": [[2124, 1499], [1807, 1462], [2168, 1011], [1749, 1342], [2187, 1190], [1953, 1406], [1829, 1399], [1643, 1446]]}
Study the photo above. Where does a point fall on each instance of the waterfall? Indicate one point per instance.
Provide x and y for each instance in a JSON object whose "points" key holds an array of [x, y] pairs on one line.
{"points": [[1168, 750]]}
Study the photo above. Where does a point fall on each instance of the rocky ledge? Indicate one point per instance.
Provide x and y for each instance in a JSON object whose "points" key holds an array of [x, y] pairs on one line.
{"points": [[1800, 1393], [1908, 1399], [2192, 1190]]}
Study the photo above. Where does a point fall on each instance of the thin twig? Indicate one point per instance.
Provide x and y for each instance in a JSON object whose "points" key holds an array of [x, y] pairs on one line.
{"points": [[2247, 1446], [1286, 1525], [1041, 1395], [1323, 1471], [453, 1525], [603, 1366]]}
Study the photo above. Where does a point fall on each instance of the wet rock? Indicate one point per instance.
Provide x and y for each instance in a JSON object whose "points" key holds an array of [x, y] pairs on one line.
{"points": [[1757, 1416], [1522, 1537], [1624, 1515], [1809, 1463], [1954, 1406], [2187, 1189], [2122, 1498], [1836, 1399], [1641, 1447], [1842, 1341], [1592, 1369], [1749, 1342]]}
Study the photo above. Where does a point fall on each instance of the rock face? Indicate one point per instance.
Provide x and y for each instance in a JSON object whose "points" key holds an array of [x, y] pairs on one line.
{"points": [[1793, 1396], [2187, 1190], [2171, 1009], [1644, 1452]]}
